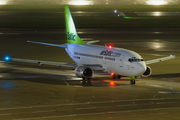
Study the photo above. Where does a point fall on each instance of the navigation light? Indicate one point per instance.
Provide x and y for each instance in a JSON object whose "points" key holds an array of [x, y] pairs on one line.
{"points": [[112, 73], [109, 46], [6, 58]]}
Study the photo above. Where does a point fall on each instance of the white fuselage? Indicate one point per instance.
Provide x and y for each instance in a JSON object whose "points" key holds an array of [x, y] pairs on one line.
{"points": [[114, 60]]}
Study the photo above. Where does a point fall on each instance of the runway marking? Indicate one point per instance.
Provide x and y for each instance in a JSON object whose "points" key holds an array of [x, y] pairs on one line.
{"points": [[166, 92], [99, 113], [86, 108], [156, 85], [88, 103], [6, 114], [44, 111], [165, 102], [127, 105]]}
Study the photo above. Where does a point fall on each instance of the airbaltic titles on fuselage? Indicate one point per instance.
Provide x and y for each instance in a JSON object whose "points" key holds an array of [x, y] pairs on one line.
{"points": [[110, 53]]}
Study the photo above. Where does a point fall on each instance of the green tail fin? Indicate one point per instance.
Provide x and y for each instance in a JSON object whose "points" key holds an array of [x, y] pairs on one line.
{"points": [[72, 36]]}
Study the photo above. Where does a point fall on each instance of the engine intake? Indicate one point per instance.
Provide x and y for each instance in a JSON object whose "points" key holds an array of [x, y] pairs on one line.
{"points": [[148, 72], [84, 72]]}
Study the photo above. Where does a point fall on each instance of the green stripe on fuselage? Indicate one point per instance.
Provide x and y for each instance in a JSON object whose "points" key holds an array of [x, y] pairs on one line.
{"points": [[72, 36]]}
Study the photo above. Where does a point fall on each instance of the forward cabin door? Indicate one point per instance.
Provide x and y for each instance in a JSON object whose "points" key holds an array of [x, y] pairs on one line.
{"points": [[121, 60]]}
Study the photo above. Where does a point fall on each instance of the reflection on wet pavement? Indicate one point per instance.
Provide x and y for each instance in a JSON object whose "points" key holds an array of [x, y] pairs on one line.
{"points": [[158, 13]]}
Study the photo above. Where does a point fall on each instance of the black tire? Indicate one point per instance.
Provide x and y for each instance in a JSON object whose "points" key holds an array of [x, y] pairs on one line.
{"points": [[134, 82], [83, 82], [131, 82], [114, 76], [118, 76], [88, 82]]}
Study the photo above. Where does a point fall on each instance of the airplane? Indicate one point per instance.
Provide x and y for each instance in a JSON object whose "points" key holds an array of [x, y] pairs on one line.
{"points": [[117, 62]]}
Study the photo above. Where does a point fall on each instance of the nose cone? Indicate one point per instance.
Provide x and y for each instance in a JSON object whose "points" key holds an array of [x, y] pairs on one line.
{"points": [[141, 68]]}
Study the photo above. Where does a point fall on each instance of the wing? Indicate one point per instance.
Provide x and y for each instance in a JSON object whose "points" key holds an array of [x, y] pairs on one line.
{"points": [[40, 62], [159, 59], [71, 65]]}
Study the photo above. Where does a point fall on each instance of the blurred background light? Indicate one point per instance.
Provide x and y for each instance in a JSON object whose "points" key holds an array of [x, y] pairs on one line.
{"points": [[156, 2], [157, 13], [3, 2], [80, 2]]}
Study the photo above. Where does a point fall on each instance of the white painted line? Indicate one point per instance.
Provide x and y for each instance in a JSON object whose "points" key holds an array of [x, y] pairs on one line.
{"points": [[6, 114], [127, 105], [100, 113], [88, 103], [166, 92], [44, 111], [165, 102], [155, 85], [86, 108]]}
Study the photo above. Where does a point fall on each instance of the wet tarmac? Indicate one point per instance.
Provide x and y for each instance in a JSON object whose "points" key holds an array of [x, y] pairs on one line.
{"points": [[30, 91], [33, 92]]}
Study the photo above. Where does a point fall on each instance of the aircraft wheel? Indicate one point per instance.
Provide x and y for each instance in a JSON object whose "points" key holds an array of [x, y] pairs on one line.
{"points": [[83, 82], [132, 82], [88, 82], [114, 76], [118, 76]]}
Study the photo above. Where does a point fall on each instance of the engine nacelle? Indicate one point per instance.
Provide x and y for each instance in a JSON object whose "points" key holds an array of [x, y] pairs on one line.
{"points": [[84, 72], [147, 72]]}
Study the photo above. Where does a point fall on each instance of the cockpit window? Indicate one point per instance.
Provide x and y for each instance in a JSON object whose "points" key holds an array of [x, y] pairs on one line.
{"points": [[135, 60]]}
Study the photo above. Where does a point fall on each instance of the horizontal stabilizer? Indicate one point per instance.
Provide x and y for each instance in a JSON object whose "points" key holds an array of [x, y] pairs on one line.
{"points": [[92, 42], [56, 45]]}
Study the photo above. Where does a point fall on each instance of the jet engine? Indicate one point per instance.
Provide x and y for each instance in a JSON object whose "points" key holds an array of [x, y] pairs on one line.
{"points": [[147, 72], [84, 72]]}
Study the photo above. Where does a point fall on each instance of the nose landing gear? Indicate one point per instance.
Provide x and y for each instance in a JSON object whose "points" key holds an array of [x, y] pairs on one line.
{"points": [[133, 81]]}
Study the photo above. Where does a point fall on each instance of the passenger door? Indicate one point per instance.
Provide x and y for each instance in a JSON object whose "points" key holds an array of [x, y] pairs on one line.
{"points": [[121, 60]]}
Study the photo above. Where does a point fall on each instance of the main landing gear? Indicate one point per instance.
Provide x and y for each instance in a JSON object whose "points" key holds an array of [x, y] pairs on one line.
{"points": [[115, 76], [86, 82]]}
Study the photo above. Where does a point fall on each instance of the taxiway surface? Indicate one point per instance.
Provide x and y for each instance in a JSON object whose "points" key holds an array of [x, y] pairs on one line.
{"points": [[47, 92]]}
